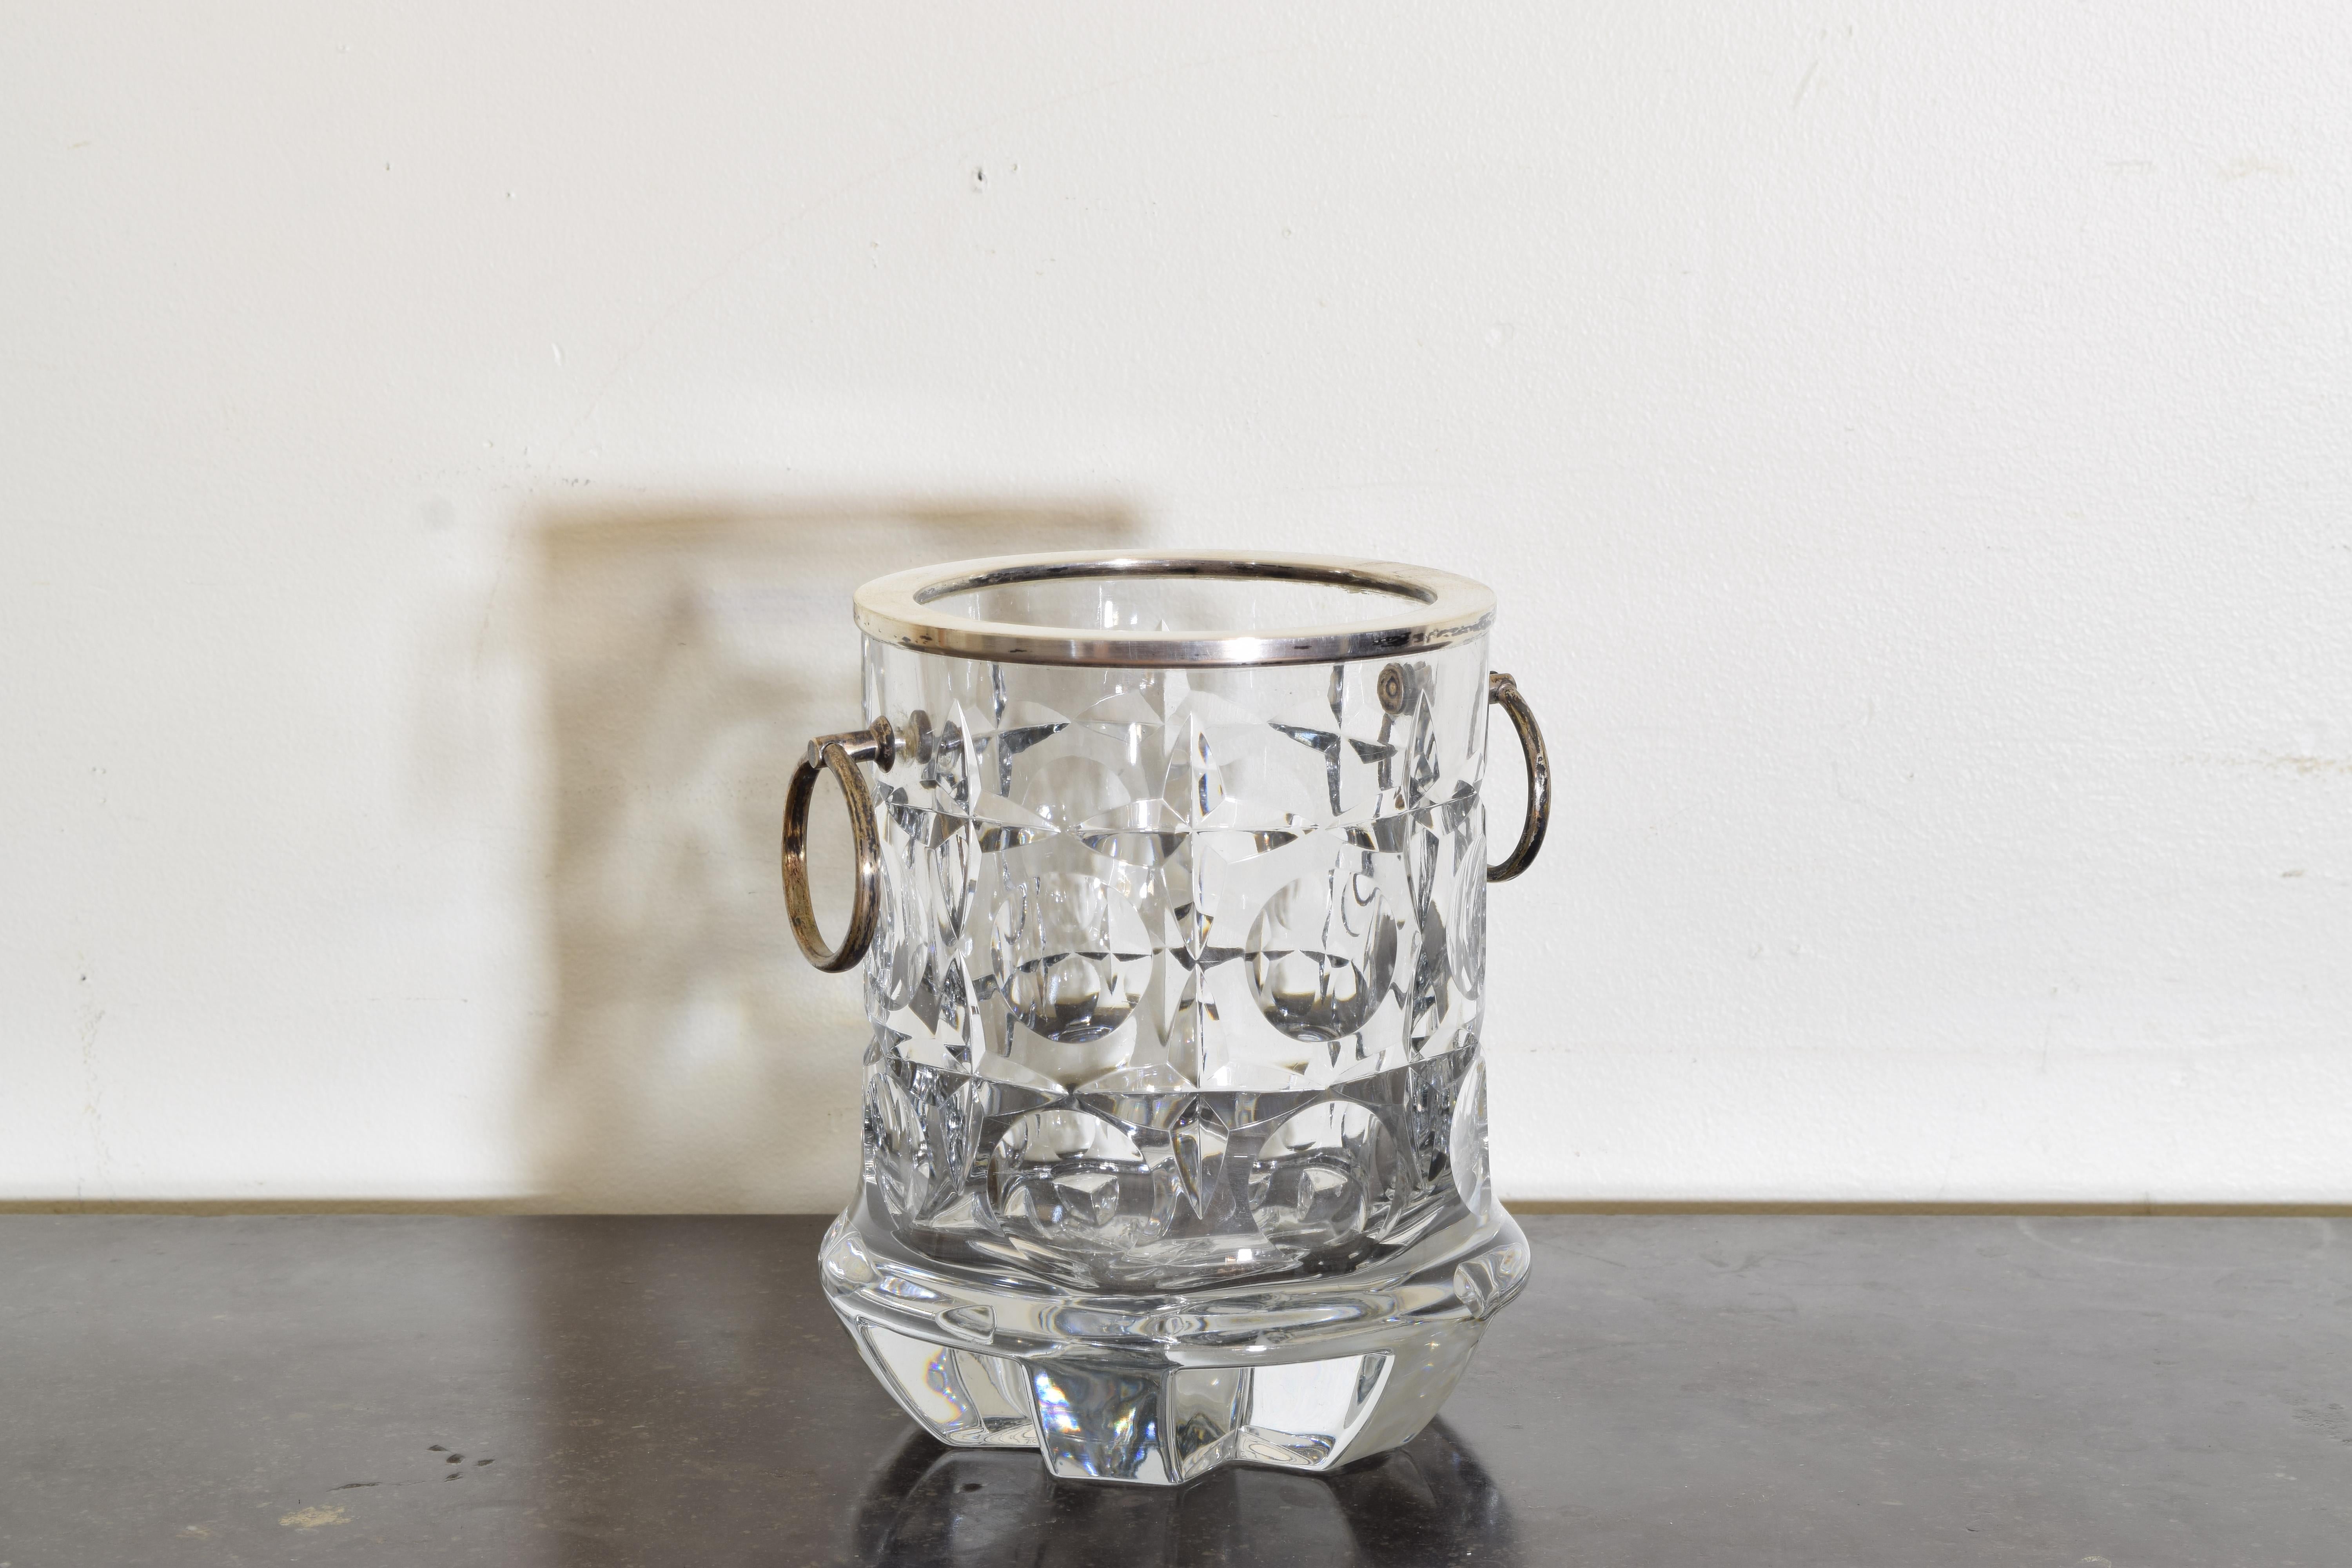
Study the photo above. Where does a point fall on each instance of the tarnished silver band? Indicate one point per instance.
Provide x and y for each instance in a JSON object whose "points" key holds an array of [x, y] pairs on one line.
{"points": [[1441, 609]]}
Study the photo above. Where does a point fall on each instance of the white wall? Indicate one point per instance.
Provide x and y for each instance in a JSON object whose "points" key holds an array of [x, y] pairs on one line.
{"points": [[1911, 443]]}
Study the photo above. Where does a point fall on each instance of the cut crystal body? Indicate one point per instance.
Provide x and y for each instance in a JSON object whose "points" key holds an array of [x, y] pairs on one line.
{"points": [[1174, 1121]]}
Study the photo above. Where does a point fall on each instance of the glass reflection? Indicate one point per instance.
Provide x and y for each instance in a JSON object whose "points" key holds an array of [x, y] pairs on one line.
{"points": [[1429, 1503]]}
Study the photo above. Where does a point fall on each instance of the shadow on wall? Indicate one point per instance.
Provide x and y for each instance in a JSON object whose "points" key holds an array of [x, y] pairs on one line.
{"points": [[693, 1061]]}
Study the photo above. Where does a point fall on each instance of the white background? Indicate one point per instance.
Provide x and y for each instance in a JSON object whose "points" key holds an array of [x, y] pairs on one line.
{"points": [[1913, 445]]}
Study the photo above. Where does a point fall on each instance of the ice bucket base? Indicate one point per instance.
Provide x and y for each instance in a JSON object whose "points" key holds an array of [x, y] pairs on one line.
{"points": [[1302, 1373]]}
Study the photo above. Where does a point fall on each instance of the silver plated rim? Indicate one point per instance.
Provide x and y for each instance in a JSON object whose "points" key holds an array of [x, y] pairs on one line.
{"points": [[1437, 609]]}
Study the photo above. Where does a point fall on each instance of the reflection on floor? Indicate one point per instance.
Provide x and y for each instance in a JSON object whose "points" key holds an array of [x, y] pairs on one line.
{"points": [[1429, 1503]]}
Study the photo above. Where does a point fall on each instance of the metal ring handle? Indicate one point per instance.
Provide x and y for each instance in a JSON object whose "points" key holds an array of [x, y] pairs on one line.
{"points": [[1502, 690], [842, 753]]}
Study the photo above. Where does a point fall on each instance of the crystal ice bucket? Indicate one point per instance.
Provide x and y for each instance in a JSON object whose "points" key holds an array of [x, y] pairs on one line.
{"points": [[1171, 906]]}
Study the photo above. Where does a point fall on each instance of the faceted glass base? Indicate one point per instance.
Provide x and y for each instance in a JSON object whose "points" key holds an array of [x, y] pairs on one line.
{"points": [[1307, 1375]]}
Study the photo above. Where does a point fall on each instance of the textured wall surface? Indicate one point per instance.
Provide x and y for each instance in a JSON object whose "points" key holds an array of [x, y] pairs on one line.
{"points": [[1910, 442]]}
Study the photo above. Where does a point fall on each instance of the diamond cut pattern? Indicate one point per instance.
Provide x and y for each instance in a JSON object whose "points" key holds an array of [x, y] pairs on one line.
{"points": [[1231, 920]]}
